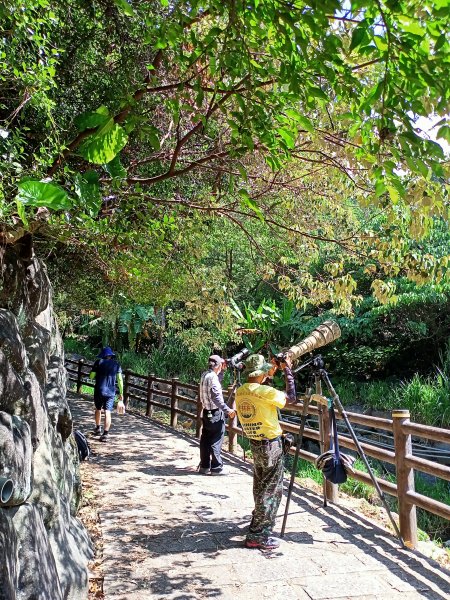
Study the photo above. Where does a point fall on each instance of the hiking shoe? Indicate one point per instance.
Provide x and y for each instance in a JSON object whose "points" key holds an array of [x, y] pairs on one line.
{"points": [[204, 470], [270, 543], [221, 472], [104, 436], [97, 431]]}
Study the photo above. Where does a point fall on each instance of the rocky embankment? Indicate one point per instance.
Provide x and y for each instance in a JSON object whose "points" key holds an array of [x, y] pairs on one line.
{"points": [[43, 546]]}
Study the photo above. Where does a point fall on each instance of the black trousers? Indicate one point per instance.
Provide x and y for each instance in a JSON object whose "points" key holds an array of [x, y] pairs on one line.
{"points": [[211, 440]]}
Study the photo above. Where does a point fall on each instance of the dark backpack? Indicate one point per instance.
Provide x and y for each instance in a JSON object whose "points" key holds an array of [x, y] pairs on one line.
{"points": [[331, 463], [84, 450]]}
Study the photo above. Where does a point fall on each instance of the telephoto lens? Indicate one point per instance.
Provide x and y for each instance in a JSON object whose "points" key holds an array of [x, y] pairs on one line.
{"points": [[324, 334]]}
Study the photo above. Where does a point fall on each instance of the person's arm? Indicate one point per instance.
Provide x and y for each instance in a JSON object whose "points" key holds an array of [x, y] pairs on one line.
{"points": [[291, 394], [93, 373], [120, 384]]}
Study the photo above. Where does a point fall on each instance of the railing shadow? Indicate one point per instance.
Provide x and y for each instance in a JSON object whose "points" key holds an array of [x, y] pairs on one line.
{"points": [[171, 557]]}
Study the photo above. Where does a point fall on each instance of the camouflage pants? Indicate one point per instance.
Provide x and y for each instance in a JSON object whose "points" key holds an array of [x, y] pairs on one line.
{"points": [[267, 487]]}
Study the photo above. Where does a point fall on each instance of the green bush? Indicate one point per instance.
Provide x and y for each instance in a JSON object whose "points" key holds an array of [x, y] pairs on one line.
{"points": [[427, 399], [77, 345], [173, 359]]}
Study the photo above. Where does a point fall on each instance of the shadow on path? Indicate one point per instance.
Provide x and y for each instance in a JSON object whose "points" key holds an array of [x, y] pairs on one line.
{"points": [[172, 533]]}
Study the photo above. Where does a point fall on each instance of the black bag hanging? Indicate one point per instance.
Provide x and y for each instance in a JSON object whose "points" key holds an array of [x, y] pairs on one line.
{"points": [[331, 463], [84, 449]]}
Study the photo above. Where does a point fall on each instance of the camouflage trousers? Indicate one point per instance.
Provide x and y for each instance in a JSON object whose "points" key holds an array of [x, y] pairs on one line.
{"points": [[267, 487]]}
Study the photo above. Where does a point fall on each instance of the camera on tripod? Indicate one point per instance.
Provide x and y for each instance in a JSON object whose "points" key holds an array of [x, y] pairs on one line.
{"points": [[237, 361]]}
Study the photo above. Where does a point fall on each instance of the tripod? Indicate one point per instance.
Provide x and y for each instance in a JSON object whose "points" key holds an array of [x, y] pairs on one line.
{"points": [[319, 374]]}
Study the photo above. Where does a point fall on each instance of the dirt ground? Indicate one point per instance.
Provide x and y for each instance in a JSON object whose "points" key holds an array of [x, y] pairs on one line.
{"points": [[89, 515]]}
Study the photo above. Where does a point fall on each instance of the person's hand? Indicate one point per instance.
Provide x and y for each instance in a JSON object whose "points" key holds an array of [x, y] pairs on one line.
{"points": [[120, 407], [271, 372], [286, 362], [232, 414]]}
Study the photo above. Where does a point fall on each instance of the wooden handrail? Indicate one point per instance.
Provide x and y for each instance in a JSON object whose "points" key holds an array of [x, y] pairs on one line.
{"points": [[401, 456], [427, 466], [428, 432]]}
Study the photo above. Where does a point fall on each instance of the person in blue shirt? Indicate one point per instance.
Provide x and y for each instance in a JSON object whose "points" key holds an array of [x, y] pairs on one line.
{"points": [[107, 372]]}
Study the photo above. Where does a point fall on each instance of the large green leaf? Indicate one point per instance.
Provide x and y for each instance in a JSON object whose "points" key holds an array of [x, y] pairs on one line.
{"points": [[88, 120], [88, 190], [102, 146], [444, 133], [116, 169], [40, 193], [124, 7], [246, 200], [21, 212]]}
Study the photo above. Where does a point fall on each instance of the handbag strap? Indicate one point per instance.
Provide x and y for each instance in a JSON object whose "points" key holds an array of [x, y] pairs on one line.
{"points": [[334, 445]]}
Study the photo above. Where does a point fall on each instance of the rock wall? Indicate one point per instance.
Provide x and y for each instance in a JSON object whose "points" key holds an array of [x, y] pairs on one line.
{"points": [[43, 546]]}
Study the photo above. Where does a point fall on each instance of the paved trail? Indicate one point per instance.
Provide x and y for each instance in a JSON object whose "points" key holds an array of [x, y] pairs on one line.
{"points": [[170, 533]]}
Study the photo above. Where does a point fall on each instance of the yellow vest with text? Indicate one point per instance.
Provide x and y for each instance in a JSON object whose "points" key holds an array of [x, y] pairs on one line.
{"points": [[256, 406]]}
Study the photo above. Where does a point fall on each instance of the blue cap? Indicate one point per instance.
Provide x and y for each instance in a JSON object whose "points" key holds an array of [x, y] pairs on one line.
{"points": [[106, 352]]}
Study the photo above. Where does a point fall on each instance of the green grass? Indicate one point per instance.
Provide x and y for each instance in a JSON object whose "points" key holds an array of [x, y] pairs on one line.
{"points": [[76, 345], [436, 527], [430, 526], [85, 389], [427, 398], [172, 360]]}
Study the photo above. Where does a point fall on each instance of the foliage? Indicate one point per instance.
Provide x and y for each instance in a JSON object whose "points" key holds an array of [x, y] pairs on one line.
{"points": [[425, 396], [428, 399], [173, 359], [142, 126], [269, 324]]}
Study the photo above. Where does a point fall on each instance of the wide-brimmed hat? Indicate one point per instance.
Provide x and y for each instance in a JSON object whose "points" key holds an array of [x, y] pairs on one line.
{"points": [[256, 365], [105, 352]]}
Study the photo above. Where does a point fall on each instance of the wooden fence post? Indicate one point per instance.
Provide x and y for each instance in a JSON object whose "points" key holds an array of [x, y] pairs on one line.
{"points": [[198, 421], [405, 479], [330, 490], [174, 403], [126, 386], [232, 437], [79, 375], [149, 410]]}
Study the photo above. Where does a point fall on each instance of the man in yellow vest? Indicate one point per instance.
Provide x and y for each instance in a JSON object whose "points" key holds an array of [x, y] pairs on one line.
{"points": [[257, 405]]}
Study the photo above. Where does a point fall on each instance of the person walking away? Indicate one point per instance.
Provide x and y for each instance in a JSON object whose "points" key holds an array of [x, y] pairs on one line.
{"points": [[257, 405], [106, 372], [213, 418]]}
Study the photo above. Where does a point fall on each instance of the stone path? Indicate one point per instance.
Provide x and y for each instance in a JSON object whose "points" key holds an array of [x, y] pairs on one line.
{"points": [[172, 534]]}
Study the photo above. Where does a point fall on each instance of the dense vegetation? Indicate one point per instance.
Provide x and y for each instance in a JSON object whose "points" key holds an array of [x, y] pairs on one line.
{"points": [[162, 136], [191, 170]]}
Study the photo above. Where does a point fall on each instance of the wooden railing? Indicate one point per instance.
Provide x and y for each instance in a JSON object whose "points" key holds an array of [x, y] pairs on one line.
{"points": [[154, 392]]}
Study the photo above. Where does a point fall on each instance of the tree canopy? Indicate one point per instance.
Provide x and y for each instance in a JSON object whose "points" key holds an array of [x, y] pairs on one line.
{"points": [[153, 136]]}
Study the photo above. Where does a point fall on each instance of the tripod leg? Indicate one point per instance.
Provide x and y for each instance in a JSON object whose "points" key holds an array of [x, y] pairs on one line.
{"points": [[362, 454], [295, 462], [318, 385]]}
